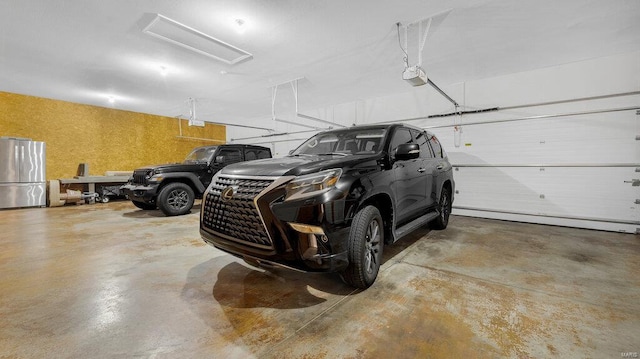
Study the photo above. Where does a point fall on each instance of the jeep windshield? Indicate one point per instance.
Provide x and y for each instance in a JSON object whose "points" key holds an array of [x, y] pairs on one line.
{"points": [[343, 143], [200, 155]]}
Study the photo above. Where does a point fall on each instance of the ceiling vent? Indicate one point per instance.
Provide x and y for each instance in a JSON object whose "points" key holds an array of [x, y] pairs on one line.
{"points": [[182, 35]]}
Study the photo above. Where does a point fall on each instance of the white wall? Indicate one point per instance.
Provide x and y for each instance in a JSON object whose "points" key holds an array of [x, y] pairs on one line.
{"points": [[566, 170]]}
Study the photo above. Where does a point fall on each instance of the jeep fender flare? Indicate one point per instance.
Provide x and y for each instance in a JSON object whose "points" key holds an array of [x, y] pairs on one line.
{"points": [[187, 177]]}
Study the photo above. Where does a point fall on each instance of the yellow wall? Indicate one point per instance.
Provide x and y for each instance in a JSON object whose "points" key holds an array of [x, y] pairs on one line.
{"points": [[106, 139]]}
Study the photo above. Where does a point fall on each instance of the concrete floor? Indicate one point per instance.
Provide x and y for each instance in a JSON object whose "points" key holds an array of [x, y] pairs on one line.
{"points": [[109, 280]]}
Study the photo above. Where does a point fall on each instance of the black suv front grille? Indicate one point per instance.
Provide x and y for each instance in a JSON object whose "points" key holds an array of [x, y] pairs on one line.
{"points": [[237, 217]]}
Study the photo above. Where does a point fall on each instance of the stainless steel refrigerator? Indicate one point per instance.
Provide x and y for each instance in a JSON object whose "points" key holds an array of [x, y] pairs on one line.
{"points": [[22, 173]]}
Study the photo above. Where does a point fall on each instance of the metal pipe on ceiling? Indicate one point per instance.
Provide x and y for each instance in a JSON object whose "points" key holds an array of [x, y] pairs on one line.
{"points": [[571, 100], [294, 85], [243, 126], [296, 124], [273, 135], [477, 111], [442, 93], [538, 117]]}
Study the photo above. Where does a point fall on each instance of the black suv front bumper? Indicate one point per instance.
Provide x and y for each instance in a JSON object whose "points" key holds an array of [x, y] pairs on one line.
{"points": [[258, 225]]}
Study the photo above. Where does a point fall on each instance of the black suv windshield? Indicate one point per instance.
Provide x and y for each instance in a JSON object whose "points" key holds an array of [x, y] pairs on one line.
{"points": [[343, 142], [200, 154]]}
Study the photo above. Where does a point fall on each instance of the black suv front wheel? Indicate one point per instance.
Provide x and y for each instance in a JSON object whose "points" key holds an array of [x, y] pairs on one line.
{"points": [[366, 240], [175, 199]]}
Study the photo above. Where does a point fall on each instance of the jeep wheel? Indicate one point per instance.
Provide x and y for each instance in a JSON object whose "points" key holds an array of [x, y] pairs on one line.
{"points": [[175, 199], [142, 205], [366, 239], [444, 210]]}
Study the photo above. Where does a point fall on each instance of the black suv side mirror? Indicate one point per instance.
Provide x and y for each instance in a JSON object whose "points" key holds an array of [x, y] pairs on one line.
{"points": [[407, 151]]}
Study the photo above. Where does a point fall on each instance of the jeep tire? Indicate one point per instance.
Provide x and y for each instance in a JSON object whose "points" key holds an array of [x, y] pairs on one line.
{"points": [[366, 241], [175, 199]]}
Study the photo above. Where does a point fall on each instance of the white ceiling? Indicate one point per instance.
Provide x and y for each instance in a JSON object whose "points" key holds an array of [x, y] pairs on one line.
{"points": [[85, 51]]}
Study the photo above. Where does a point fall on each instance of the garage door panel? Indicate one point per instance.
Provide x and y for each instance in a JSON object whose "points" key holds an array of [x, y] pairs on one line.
{"points": [[594, 138], [582, 192], [570, 168]]}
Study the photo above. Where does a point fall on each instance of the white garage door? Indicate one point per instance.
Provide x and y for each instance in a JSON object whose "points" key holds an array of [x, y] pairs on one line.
{"points": [[578, 169]]}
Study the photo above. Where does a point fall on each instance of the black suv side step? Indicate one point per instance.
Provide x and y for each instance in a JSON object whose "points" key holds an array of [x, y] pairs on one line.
{"points": [[413, 225]]}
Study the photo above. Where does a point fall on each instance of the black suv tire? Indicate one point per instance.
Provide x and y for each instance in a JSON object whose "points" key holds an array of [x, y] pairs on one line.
{"points": [[444, 210], [366, 241], [176, 199], [142, 205]]}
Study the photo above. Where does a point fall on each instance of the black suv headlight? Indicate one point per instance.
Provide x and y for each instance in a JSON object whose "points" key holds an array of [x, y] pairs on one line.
{"points": [[312, 184]]}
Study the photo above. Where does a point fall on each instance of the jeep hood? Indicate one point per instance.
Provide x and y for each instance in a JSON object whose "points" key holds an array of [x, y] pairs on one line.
{"points": [[295, 165], [174, 167]]}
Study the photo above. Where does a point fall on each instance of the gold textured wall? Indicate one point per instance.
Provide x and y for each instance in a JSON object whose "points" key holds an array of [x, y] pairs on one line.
{"points": [[106, 139]]}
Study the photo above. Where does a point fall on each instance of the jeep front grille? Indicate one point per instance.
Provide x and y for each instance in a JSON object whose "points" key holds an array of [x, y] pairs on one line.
{"points": [[140, 177], [237, 218]]}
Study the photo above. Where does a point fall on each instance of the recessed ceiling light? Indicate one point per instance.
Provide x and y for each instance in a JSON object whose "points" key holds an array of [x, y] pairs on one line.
{"points": [[223, 72], [241, 26]]}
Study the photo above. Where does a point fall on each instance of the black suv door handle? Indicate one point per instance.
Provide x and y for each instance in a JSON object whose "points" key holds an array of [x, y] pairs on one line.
{"points": [[440, 166], [421, 169]]}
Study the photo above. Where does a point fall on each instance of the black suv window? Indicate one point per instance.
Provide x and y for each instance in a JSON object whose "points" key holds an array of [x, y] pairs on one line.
{"points": [[422, 140], [231, 155], [435, 144], [345, 142]]}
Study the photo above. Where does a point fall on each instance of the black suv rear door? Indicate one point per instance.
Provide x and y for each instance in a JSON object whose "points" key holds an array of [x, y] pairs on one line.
{"points": [[429, 166]]}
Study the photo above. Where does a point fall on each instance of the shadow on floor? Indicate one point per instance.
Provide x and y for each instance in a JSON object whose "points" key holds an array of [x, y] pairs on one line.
{"points": [[241, 286], [156, 213]]}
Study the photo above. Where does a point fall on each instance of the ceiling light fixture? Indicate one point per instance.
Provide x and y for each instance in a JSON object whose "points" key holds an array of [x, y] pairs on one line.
{"points": [[187, 37], [163, 70], [240, 26]]}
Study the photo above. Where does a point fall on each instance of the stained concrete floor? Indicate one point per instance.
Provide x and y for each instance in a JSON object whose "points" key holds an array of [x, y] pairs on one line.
{"points": [[109, 280]]}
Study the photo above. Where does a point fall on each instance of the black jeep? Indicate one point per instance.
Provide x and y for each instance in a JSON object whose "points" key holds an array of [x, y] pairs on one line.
{"points": [[174, 187], [333, 203]]}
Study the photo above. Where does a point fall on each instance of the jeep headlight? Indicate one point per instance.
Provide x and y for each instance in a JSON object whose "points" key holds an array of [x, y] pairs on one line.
{"points": [[312, 184]]}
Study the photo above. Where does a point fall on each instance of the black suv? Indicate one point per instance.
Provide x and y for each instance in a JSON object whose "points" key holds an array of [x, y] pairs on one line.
{"points": [[173, 187], [332, 203]]}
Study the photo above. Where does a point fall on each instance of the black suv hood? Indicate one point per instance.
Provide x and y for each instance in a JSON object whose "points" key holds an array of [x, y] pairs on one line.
{"points": [[174, 167], [295, 165]]}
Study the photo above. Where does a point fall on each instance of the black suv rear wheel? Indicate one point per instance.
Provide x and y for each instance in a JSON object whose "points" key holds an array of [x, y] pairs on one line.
{"points": [[366, 240], [175, 199], [444, 210]]}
